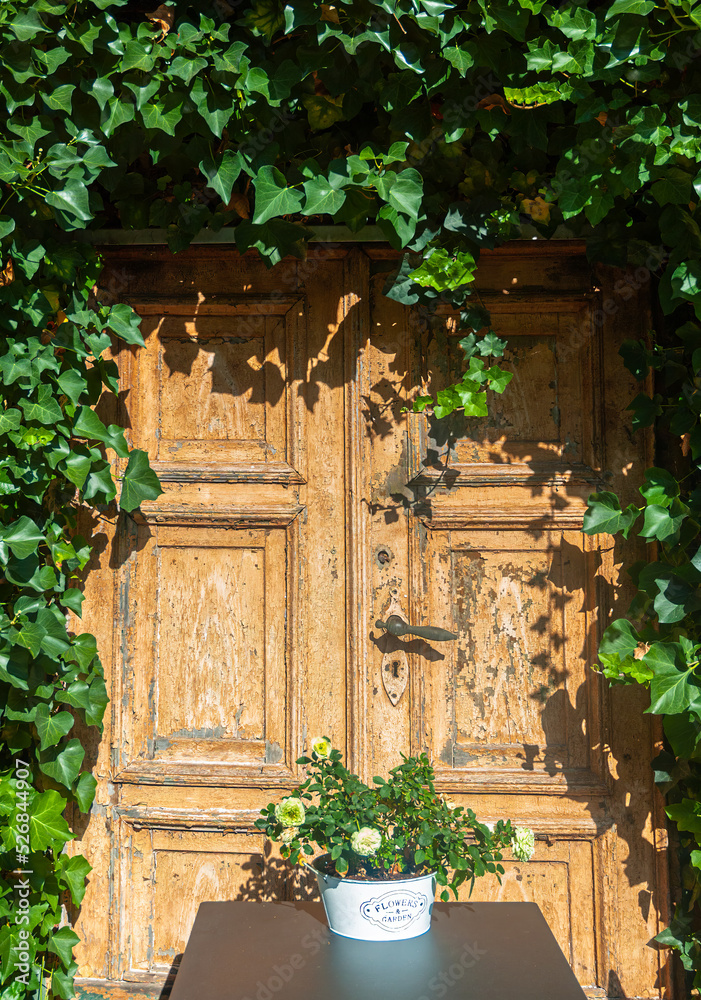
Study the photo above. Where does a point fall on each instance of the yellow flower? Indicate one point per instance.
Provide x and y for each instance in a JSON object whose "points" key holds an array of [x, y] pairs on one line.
{"points": [[321, 746]]}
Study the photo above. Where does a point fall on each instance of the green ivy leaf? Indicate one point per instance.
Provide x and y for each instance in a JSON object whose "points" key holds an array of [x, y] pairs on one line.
{"points": [[683, 732], [619, 7], [125, 322], [22, 536], [72, 384], [676, 599], [63, 762], [265, 17], [52, 728], [620, 638], [490, 344], [84, 791], [73, 871], [222, 173], [321, 197], [44, 410], [62, 942], [87, 424], [443, 270], [76, 467], [660, 487], [48, 829], [99, 484], [140, 482], [498, 378], [604, 515], [406, 192], [273, 196], [73, 600], [323, 111], [659, 523], [645, 410], [72, 200]]}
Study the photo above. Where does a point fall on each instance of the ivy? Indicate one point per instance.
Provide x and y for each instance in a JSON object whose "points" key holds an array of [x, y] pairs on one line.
{"points": [[453, 127]]}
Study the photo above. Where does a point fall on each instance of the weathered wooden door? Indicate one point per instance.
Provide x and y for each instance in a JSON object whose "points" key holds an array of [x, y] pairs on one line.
{"points": [[236, 613]]}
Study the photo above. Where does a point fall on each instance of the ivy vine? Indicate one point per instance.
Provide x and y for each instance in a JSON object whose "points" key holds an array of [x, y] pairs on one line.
{"points": [[453, 127]]}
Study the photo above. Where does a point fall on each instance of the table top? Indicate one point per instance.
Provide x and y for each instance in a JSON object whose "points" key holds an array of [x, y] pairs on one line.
{"points": [[285, 951]]}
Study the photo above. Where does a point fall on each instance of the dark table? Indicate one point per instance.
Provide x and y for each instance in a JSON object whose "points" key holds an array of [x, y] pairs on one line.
{"points": [[285, 951]]}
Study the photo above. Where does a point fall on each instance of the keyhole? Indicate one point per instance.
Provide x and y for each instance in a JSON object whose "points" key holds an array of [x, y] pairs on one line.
{"points": [[383, 557], [395, 668]]}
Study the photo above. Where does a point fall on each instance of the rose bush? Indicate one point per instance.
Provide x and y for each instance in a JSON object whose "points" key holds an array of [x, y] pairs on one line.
{"points": [[402, 825]]}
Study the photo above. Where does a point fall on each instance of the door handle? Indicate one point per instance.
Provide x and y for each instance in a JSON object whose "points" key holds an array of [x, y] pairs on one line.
{"points": [[396, 626]]}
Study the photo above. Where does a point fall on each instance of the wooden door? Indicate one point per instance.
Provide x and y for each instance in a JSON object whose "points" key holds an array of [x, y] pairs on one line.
{"points": [[236, 613]]}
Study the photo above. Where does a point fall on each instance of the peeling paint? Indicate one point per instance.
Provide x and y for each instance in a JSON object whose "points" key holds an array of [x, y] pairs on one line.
{"points": [[446, 754], [215, 733], [461, 758], [273, 752]]}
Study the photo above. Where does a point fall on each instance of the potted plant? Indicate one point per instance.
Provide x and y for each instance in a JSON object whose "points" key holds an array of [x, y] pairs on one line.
{"points": [[384, 848]]}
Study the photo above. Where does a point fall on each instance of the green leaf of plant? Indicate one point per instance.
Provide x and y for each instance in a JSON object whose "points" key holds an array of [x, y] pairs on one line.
{"points": [[407, 192], [683, 732], [99, 483], [76, 468], [659, 523], [660, 487], [26, 25], [9, 420], [31, 637], [48, 829], [73, 600], [321, 197], [126, 324], [273, 196], [604, 515], [62, 942], [72, 384], [222, 173], [676, 599], [621, 638], [490, 344], [87, 424], [60, 98], [645, 410], [84, 791], [498, 378], [71, 199], [671, 688], [72, 872], [323, 111], [44, 410], [22, 536], [52, 728], [687, 816], [619, 7], [63, 763], [140, 482]]}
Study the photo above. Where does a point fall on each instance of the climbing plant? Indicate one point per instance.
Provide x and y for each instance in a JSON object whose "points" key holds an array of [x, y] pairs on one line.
{"points": [[451, 126]]}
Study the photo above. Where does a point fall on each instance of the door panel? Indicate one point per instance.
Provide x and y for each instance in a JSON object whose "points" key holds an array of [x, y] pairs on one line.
{"points": [[301, 504]]}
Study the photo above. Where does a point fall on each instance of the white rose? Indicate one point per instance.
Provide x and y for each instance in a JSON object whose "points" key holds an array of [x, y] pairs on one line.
{"points": [[523, 843], [321, 746], [290, 812], [288, 835], [366, 841]]}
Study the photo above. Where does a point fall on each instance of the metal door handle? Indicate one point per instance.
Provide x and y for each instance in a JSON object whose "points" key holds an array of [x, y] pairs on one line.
{"points": [[395, 626]]}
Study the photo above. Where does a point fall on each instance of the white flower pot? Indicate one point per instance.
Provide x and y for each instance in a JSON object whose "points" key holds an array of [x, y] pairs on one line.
{"points": [[377, 909]]}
